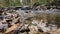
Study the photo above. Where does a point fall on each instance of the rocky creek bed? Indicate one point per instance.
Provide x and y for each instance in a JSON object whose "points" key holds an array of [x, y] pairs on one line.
{"points": [[29, 22]]}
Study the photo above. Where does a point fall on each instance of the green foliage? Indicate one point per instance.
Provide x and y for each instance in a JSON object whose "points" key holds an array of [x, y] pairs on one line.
{"points": [[47, 2], [6, 3], [3, 3], [14, 2]]}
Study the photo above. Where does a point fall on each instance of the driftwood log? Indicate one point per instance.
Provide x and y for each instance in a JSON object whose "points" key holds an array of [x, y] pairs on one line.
{"points": [[9, 30]]}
